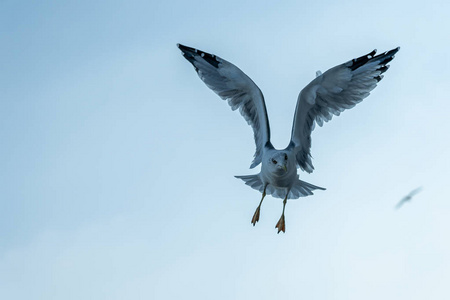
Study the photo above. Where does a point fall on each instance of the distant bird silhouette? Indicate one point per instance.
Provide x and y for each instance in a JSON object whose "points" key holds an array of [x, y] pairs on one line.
{"points": [[408, 197]]}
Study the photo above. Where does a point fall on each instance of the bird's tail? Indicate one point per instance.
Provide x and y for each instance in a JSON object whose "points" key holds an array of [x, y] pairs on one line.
{"points": [[302, 189], [299, 189]]}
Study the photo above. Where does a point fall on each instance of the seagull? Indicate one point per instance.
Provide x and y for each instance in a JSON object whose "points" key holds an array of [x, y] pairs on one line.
{"points": [[408, 197], [330, 93]]}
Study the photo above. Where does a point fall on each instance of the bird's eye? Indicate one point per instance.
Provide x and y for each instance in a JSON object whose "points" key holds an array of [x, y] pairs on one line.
{"points": [[285, 156], [274, 161]]}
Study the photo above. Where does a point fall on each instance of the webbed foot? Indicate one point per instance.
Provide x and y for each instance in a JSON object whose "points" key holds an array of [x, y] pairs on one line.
{"points": [[256, 216], [281, 224]]}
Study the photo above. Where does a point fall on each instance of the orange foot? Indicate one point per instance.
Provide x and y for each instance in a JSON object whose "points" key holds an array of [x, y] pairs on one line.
{"points": [[281, 225], [256, 216]]}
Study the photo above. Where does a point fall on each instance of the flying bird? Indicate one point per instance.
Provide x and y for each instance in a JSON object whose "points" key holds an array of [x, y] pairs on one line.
{"points": [[408, 197], [330, 93]]}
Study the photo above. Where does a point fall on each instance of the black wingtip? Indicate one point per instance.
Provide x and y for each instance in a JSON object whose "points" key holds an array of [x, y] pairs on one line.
{"points": [[360, 61], [189, 53], [186, 48], [382, 59], [393, 51]]}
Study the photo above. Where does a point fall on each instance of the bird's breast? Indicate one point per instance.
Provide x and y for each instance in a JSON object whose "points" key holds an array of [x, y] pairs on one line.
{"points": [[280, 179]]}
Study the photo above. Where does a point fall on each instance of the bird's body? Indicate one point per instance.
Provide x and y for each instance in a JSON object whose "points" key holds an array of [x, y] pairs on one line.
{"points": [[330, 93], [279, 175]]}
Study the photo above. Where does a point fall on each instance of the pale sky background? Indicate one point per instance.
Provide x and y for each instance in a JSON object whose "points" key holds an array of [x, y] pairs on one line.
{"points": [[117, 162]]}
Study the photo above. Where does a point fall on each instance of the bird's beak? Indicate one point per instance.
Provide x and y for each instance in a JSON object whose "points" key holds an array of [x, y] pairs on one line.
{"points": [[282, 167]]}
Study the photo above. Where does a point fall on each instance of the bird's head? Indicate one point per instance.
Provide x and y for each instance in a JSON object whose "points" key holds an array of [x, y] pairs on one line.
{"points": [[278, 162]]}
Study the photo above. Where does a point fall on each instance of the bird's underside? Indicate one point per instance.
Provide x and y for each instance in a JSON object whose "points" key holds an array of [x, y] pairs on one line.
{"points": [[330, 93]]}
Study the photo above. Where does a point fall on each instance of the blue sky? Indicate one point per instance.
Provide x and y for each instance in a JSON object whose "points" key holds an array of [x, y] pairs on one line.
{"points": [[117, 162]]}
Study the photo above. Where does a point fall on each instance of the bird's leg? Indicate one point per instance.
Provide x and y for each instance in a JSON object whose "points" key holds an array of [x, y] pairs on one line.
{"points": [[281, 225], [256, 214]]}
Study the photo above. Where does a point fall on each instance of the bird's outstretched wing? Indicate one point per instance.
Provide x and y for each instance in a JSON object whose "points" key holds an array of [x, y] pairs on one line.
{"points": [[231, 84], [400, 203], [414, 192], [330, 93]]}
